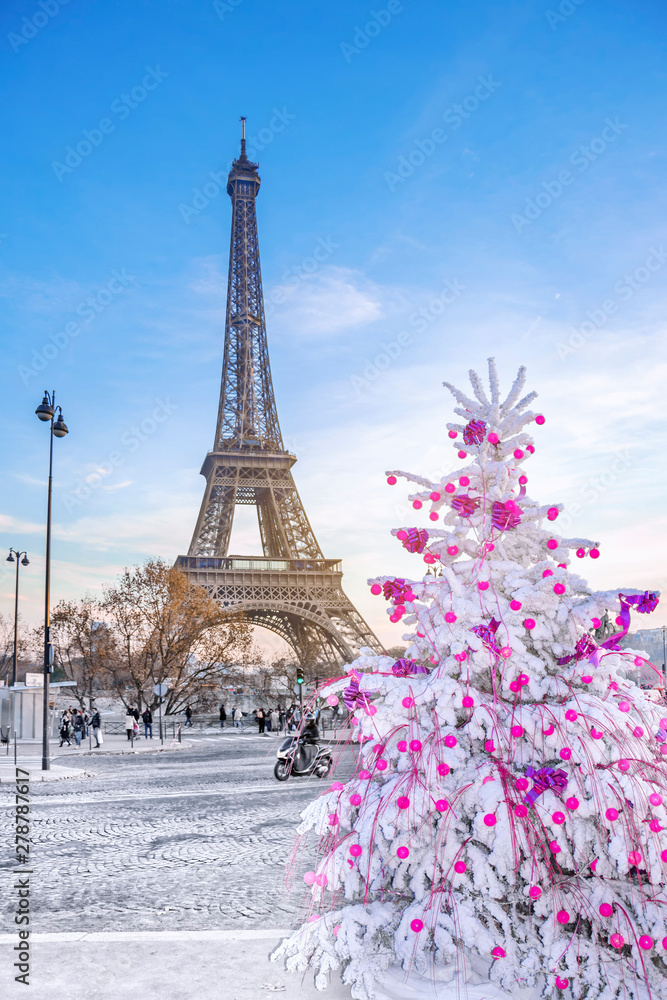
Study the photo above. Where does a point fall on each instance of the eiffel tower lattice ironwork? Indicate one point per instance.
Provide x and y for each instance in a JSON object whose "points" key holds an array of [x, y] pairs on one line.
{"points": [[292, 589]]}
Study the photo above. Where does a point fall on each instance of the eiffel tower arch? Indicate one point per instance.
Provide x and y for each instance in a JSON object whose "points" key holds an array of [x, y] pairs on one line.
{"points": [[291, 589]]}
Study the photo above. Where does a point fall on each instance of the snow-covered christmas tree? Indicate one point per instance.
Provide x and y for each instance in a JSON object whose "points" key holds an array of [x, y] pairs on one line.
{"points": [[509, 801]]}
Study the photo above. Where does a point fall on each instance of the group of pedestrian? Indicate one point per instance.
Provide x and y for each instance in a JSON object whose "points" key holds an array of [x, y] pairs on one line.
{"points": [[78, 722], [132, 717], [269, 719]]}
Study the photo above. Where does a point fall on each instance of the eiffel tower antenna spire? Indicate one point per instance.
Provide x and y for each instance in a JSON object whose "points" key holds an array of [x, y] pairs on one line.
{"points": [[291, 589]]}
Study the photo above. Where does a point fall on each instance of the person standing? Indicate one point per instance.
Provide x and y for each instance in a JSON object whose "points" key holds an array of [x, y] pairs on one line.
{"points": [[223, 716], [96, 723], [65, 729], [236, 716], [275, 720], [261, 720], [129, 723], [188, 716], [79, 727], [147, 717]]}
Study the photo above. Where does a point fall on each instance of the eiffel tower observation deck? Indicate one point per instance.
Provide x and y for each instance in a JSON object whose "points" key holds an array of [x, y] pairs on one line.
{"points": [[291, 589]]}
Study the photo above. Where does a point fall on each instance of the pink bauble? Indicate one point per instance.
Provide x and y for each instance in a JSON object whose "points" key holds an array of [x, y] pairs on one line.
{"points": [[392, 480], [581, 553], [309, 878], [596, 734], [624, 765], [515, 686], [562, 983], [450, 617], [450, 740], [516, 731], [322, 879], [462, 454], [529, 623], [555, 848], [498, 952], [595, 622], [450, 488], [586, 679], [452, 434], [452, 550], [559, 588], [402, 852], [442, 805], [522, 784], [402, 802], [376, 589], [606, 909], [594, 553], [634, 858], [355, 799], [552, 544], [409, 596], [468, 702], [417, 504], [505, 652], [492, 437], [645, 942], [381, 764], [563, 917], [558, 817], [546, 573], [460, 867], [539, 419], [356, 850], [663, 855], [571, 715], [624, 706], [460, 656], [333, 818], [552, 513], [416, 925], [443, 768], [364, 775], [337, 786], [572, 803], [523, 480], [530, 448], [401, 535], [655, 799], [611, 814], [639, 662], [565, 753], [415, 745], [515, 605], [428, 558], [490, 819], [394, 618], [617, 941], [655, 826], [520, 811], [489, 546], [434, 515], [534, 892], [549, 730], [489, 747], [408, 702], [483, 584], [434, 496], [518, 453], [402, 746], [464, 481], [399, 609], [663, 723]]}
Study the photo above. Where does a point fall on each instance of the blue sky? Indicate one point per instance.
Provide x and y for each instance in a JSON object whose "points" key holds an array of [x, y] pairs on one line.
{"points": [[498, 167]]}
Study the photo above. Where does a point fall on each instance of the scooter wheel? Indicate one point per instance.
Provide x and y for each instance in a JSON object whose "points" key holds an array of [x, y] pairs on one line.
{"points": [[324, 768], [281, 770]]}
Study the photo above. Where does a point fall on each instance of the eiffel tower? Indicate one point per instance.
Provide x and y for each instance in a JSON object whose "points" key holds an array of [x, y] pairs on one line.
{"points": [[292, 589]]}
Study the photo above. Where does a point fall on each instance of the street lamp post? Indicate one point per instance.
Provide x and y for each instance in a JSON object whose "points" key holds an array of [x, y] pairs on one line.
{"points": [[19, 562], [46, 411]]}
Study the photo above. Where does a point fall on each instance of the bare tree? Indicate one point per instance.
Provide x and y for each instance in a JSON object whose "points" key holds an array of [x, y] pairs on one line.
{"points": [[84, 646]]}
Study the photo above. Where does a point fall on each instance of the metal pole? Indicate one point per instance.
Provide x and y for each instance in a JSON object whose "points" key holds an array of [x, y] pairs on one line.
{"points": [[161, 736], [16, 621], [46, 763], [132, 738], [14, 748]]}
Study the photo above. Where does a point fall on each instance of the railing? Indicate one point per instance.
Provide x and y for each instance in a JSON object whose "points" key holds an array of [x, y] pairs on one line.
{"points": [[259, 563]]}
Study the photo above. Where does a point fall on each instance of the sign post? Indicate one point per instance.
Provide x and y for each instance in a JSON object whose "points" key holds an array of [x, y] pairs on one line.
{"points": [[160, 690]]}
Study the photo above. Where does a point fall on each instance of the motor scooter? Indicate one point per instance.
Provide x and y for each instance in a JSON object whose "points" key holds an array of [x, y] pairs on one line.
{"points": [[300, 758]]}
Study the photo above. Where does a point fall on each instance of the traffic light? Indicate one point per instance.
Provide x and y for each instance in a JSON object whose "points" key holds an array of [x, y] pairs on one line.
{"points": [[299, 675]]}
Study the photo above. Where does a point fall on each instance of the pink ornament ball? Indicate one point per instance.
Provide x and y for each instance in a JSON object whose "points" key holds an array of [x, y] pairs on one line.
{"points": [[442, 805], [552, 544], [624, 765], [381, 764], [624, 706], [549, 730], [634, 858], [434, 515], [562, 983], [581, 553], [663, 855], [460, 867], [529, 623], [559, 588], [518, 453], [655, 799], [376, 589], [333, 818], [392, 480], [565, 753], [586, 679], [402, 852], [606, 909], [546, 573], [450, 617], [558, 817], [452, 550], [534, 892], [516, 731], [309, 878], [553, 513], [356, 850], [400, 609], [539, 419], [321, 879], [417, 504], [490, 747], [408, 702], [639, 661], [572, 803], [402, 746], [443, 769], [571, 715], [617, 940], [490, 819], [611, 814], [596, 734], [663, 723], [515, 605], [460, 657], [522, 784], [450, 488], [416, 925], [337, 786], [462, 454], [394, 618], [434, 496], [428, 558], [415, 745], [515, 686], [483, 584], [355, 799], [364, 775], [645, 942], [489, 546], [594, 553], [520, 811], [492, 438], [354, 721], [452, 434], [401, 535], [468, 702], [555, 848], [464, 481], [402, 802], [498, 952], [523, 480], [563, 917], [595, 622], [450, 740], [655, 826]]}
